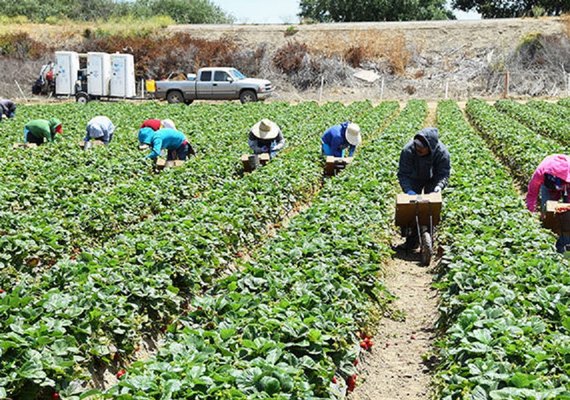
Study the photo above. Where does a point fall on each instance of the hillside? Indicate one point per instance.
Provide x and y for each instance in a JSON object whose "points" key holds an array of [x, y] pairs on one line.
{"points": [[412, 59]]}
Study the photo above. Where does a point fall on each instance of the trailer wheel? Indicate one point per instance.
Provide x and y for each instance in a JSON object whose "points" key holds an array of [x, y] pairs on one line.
{"points": [[248, 96], [175, 97], [81, 97]]}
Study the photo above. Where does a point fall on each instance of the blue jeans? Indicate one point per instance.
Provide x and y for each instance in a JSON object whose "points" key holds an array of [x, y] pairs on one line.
{"points": [[30, 138], [546, 195]]}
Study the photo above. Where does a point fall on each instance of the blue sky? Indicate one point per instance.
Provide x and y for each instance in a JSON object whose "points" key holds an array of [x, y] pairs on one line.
{"points": [[276, 11]]}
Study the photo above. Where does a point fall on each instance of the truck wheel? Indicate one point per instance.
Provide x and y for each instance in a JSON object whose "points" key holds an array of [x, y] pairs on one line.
{"points": [[175, 97], [81, 97], [248, 96]]}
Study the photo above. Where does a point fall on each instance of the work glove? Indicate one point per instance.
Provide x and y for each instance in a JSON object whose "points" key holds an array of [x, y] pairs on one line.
{"points": [[436, 189], [411, 193], [265, 149]]}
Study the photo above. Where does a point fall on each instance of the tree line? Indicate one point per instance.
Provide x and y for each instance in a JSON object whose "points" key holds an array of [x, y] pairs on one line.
{"points": [[181, 11], [206, 12]]}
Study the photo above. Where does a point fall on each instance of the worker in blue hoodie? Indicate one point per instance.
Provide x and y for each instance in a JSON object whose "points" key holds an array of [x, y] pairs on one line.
{"points": [[340, 137], [170, 139]]}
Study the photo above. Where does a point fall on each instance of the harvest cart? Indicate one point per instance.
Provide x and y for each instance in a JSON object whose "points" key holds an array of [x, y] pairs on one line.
{"points": [[419, 214], [251, 162], [333, 165]]}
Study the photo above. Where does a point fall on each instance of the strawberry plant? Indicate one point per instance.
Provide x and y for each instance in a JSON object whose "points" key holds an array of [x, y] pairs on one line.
{"points": [[504, 288], [537, 120]]}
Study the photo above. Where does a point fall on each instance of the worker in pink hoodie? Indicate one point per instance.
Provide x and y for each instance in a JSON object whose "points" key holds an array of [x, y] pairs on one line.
{"points": [[552, 180]]}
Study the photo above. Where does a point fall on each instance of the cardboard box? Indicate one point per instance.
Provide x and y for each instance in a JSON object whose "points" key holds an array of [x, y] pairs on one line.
{"points": [[252, 161], [335, 164], [161, 163], [556, 218], [424, 205]]}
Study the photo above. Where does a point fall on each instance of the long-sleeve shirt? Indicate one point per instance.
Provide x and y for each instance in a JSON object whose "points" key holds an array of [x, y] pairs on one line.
{"points": [[43, 128], [335, 139], [7, 108], [557, 165], [169, 139], [417, 172], [257, 145], [100, 128]]}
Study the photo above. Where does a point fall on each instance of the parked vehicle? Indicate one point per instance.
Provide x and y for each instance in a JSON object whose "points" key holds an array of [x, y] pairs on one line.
{"points": [[214, 84]]}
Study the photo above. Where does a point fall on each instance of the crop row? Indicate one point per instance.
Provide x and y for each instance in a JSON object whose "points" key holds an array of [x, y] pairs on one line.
{"points": [[560, 112], [54, 209], [97, 306], [285, 325], [537, 120], [519, 148], [505, 292]]}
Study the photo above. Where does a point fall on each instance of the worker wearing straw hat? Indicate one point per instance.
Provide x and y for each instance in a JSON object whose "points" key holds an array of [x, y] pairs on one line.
{"points": [[340, 137], [266, 137]]}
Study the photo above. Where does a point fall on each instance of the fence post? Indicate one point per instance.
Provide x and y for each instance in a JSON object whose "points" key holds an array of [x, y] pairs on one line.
{"points": [[506, 90], [321, 90], [568, 85], [382, 90], [446, 89]]}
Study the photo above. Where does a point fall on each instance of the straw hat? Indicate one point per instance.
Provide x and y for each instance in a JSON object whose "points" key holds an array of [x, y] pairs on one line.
{"points": [[265, 129], [168, 123], [353, 134]]}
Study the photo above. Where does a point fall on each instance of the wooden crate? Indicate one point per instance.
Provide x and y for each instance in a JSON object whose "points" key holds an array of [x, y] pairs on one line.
{"points": [[335, 164], [24, 145], [407, 206], [555, 218]]}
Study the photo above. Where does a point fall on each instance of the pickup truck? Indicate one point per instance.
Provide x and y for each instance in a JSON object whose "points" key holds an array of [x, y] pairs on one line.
{"points": [[214, 84]]}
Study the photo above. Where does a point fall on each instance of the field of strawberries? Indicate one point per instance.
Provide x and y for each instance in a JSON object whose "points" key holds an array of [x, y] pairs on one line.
{"points": [[207, 283]]}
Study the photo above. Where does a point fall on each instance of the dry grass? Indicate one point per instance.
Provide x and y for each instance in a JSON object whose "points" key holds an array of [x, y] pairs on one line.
{"points": [[566, 22], [369, 45]]}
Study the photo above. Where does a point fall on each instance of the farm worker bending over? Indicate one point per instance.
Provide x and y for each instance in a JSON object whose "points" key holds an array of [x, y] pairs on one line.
{"points": [[100, 128], [7, 108], [174, 141], [266, 137], [424, 164], [340, 137], [552, 180], [37, 130]]}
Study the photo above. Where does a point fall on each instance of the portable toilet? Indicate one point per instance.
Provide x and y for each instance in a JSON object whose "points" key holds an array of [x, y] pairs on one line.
{"points": [[98, 73], [66, 68], [123, 75]]}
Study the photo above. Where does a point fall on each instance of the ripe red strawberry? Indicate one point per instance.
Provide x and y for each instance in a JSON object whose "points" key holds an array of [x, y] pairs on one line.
{"points": [[2, 291], [334, 380], [355, 362], [364, 345], [369, 343], [55, 396], [351, 383], [121, 373]]}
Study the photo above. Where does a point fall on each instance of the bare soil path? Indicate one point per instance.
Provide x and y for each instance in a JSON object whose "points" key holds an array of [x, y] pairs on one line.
{"points": [[399, 366], [396, 368]]}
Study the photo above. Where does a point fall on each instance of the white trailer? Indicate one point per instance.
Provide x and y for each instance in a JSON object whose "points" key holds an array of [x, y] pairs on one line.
{"points": [[66, 69]]}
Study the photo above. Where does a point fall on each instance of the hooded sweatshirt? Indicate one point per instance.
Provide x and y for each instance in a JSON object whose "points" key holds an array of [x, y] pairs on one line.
{"points": [[557, 165], [416, 172], [43, 128], [335, 138], [169, 139], [7, 108], [100, 128]]}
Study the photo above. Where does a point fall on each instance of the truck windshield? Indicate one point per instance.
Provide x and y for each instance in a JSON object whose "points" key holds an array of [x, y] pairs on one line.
{"points": [[236, 74]]}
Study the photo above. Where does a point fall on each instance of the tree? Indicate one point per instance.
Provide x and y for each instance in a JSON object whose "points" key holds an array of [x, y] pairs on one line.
{"points": [[184, 11], [373, 10], [513, 8]]}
